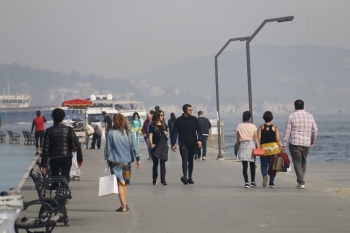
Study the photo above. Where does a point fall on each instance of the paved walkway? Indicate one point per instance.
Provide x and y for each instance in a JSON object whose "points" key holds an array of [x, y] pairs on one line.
{"points": [[217, 202]]}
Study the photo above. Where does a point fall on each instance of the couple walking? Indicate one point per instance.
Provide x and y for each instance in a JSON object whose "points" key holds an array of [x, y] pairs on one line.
{"points": [[187, 130], [300, 130]]}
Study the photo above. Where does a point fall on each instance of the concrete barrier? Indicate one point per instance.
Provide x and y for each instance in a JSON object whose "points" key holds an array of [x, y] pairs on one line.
{"points": [[213, 142]]}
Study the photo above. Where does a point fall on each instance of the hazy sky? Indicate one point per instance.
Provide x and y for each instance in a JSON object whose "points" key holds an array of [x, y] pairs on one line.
{"points": [[121, 38]]}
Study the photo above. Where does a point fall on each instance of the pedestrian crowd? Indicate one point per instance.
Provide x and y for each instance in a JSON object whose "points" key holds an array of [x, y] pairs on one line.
{"points": [[186, 133]]}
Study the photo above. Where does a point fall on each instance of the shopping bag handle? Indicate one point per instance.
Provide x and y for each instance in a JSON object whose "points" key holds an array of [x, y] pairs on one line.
{"points": [[107, 169]]}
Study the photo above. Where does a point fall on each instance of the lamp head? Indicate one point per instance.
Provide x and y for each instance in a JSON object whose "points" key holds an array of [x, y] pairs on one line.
{"points": [[285, 19]]}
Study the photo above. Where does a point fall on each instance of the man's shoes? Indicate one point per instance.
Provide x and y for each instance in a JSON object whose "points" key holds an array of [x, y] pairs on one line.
{"points": [[272, 186], [98, 147], [149, 158], [203, 157], [91, 148], [300, 186], [154, 182], [247, 186], [164, 183], [190, 181], [195, 157], [253, 185], [264, 183], [184, 180]]}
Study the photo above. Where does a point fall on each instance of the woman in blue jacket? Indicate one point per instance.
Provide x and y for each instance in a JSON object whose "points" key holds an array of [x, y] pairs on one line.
{"points": [[120, 152]]}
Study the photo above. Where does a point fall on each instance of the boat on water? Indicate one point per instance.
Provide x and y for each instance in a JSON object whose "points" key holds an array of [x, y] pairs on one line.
{"points": [[111, 106], [13, 101], [16, 108]]}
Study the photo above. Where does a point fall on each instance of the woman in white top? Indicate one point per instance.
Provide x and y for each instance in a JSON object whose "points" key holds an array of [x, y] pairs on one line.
{"points": [[248, 140]]}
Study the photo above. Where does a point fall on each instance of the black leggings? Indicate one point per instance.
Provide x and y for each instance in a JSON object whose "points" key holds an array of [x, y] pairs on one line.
{"points": [[162, 169], [245, 171], [39, 135], [187, 155], [60, 165]]}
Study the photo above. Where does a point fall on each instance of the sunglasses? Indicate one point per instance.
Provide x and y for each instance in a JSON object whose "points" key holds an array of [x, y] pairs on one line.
{"points": [[161, 115]]}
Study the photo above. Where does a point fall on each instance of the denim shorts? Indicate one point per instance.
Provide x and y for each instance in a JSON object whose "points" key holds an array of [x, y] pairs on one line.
{"points": [[122, 171]]}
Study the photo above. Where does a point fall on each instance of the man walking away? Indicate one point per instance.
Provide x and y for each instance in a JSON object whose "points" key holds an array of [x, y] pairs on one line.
{"points": [[301, 130], [0, 122], [96, 137], [145, 126], [205, 125], [187, 128], [38, 123], [108, 122]]}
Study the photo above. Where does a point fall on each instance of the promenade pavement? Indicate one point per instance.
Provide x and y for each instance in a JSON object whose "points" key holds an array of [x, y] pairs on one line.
{"points": [[217, 202]]}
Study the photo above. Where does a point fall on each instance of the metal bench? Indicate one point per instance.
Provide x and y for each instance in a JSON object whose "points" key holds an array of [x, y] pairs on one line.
{"points": [[29, 139], [54, 191], [45, 219], [14, 137], [48, 168], [2, 137]]}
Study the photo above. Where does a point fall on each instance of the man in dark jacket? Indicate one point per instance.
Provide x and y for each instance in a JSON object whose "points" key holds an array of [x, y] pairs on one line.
{"points": [[58, 146], [205, 125], [187, 128]]}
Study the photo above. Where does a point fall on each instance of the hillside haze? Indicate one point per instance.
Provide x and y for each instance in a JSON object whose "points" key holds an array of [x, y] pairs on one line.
{"points": [[280, 75]]}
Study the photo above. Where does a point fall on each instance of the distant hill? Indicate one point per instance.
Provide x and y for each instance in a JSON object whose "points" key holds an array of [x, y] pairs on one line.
{"points": [[319, 75], [280, 75]]}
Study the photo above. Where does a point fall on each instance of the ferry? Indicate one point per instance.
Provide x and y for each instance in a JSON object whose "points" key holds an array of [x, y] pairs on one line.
{"points": [[111, 106]]}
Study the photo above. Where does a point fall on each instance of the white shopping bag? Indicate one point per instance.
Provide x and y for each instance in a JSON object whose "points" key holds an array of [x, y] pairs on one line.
{"points": [[108, 185], [74, 170]]}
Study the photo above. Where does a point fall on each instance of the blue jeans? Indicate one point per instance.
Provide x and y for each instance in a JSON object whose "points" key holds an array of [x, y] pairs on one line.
{"points": [[264, 163], [148, 147]]}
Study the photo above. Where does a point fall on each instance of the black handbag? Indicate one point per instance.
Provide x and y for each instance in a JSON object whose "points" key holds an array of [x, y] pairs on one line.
{"points": [[161, 149]]}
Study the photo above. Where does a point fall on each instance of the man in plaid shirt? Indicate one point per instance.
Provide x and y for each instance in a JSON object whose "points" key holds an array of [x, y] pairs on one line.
{"points": [[301, 130]]}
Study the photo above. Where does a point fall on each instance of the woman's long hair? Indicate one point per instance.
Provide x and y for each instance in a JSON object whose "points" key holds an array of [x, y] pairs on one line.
{"points": [[156, 119], [119, 123], [134, 115]]}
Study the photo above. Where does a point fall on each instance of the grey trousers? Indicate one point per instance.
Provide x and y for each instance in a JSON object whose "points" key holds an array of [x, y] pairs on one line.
{"points": [[299, 156]]}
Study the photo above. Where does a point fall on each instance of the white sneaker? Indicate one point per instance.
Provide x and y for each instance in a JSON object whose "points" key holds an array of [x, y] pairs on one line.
{"points": [[300, 186], [264, 183]]}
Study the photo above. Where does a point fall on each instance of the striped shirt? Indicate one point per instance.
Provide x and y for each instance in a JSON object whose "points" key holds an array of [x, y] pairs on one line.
{"points": [[301, 129]]}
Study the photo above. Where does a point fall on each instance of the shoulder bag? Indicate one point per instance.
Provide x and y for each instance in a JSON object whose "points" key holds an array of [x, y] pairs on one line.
{"points": [[258, 152]]}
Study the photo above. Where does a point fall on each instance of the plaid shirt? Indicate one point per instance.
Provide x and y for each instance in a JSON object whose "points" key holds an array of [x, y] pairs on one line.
{"points": [[301, 129]]}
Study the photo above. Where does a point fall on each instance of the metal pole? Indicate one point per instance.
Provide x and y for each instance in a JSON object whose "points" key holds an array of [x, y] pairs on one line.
{"points": [[220, 157], [250, 98], [218, 108]]}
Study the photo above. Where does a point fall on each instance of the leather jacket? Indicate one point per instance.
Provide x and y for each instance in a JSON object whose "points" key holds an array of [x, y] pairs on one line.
{"points": [[58, 144]]}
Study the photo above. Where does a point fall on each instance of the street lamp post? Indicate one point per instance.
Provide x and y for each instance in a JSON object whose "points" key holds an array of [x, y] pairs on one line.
{"points": [[279, 20], [220, 157]]}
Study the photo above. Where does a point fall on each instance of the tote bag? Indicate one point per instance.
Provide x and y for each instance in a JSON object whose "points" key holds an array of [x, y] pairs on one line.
{"points": [[108, 185], [278, 164]]}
